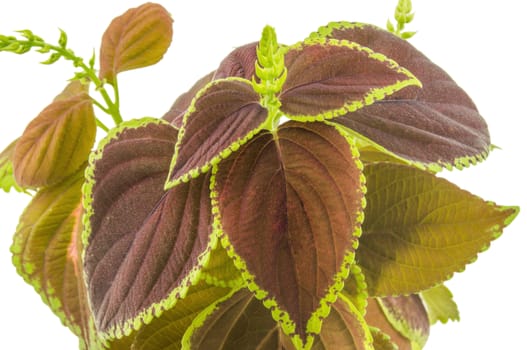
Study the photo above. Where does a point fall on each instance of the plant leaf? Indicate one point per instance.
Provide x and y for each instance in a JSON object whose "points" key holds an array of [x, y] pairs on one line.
{"points": [[329, 78], [242, 322], [7, 178], [46, 250], [432, 127], [408, 316], [224, 116], [419, 229], [57, 142], [144, 246], [166, 332], [382, 341], [138, 38], [440, 304], [402, 319], [182, 103], [290, 207], [239, 63]]}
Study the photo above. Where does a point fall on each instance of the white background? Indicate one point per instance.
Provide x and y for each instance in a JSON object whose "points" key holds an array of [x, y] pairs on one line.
{"points": [[480, 43]]}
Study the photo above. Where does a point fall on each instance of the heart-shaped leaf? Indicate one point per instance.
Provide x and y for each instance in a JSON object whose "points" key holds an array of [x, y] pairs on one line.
{"points": [[138, 38], [223, 116], [144, 246], [435, 126], [440, 304], [290, 207], [7, 178], [57, 142], [419, 229], [328, 78], [46, 253]]}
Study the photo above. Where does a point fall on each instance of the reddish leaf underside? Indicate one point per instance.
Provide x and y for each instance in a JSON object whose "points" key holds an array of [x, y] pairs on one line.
{"points": [[438, 124], [138, 38], [223, 116], [330, 78], [144, 245], [56, 143], [419, 229], [290, 204], [403, 318]]}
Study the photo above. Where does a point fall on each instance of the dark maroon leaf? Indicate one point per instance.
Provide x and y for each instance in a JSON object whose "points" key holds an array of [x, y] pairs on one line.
{"points": [[180, 106], [438, 124], [330, 78], [144, 245], [223, 117], [291, 205], [239, 63]]}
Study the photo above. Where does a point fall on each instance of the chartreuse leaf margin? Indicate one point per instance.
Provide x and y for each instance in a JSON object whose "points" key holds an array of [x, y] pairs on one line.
{"points": [[226, 224], [318, 172], [141, 151], [213, 128]]}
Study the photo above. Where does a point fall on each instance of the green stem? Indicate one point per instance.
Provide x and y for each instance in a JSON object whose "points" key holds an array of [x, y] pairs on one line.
{"points": [[112, 107]]}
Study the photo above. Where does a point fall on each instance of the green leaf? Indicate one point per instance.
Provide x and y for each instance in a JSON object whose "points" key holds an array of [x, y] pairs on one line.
{"points": [[57, 142], [419, 229], [220, 270], [63, 39], [138, 38], [223, 116], [144, 246], [382, 341], [46, 253], [440, 304], [7, 179], [433, 127], [328, 78], [289, 207]]}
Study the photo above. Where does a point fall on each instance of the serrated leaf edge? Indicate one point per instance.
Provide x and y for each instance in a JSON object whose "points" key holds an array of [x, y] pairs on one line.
{"points": [[193, 277], [374, 94], [223, 154], [314, 323]]}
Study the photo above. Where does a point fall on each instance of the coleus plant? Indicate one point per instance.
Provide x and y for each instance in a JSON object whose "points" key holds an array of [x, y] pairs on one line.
{"points": [[288, 200]]}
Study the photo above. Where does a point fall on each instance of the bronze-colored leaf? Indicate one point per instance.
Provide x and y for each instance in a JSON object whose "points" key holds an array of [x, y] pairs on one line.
{"points": [[46, 252], [419, 229], [57, 142], [138, 38]]}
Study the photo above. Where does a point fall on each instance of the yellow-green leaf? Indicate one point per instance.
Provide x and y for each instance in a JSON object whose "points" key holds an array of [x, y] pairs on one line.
{"points": [[440, 304], [138, 38], [7, 179], [419, 229], [46, 253], [57, 142]]}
